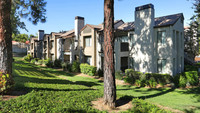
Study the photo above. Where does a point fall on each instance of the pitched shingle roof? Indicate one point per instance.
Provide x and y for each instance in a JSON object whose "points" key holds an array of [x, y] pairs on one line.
{"points": [[167, 20], [127, 26], [68, 34], [159, 22]]}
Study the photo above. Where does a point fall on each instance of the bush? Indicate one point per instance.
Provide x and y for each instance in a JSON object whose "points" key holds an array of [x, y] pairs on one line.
{"points": [[148, 79], [87, 69], [48, 63], [28, 58], [33, 61], [75, 66], [57, 63], [182, 81], [100, 73], [190, 68], [152, 82], [36, 59], [189, 78], [40, 62], [192, 78], [4, 85], [119, 75], [131, 76], [64, 65]]}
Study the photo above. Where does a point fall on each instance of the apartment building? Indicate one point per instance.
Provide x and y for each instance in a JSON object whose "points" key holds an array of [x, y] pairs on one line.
{"points": [[148, 44]]}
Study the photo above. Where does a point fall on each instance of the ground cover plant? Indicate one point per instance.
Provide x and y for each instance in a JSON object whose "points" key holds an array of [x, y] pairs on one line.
{"points": [[50, 90]]}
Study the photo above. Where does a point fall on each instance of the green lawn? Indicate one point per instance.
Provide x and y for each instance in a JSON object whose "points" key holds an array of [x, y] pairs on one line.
{"points": [[46, 92]]}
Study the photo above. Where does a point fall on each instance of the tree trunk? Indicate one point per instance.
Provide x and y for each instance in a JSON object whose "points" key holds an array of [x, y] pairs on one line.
{"points": [[109, 70], [5, 39]]}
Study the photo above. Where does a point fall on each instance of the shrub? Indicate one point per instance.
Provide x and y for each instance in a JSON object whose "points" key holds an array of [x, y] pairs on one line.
{"points": [[87, 69], [192, 77], [4, 85], [40, 62], [131, 76], [75, 66], [182, 81], [161, 79], [28, 58], [33, 61], [48, 63], [189, 78], [190, 68], [36, 59], [100, 73], [57, 63], [152, 82], [119, 75], [64, 65]]}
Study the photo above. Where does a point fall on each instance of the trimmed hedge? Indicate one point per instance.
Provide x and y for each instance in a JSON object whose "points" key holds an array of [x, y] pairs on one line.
{"points": [[131, 76], [146, 79], [48, 63], [28, 58], [87, 69], [75, 66], [57, 63], [189, 78]]}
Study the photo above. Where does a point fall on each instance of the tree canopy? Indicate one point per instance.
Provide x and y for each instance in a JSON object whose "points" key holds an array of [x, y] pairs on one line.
{"points": [[33, 10]]}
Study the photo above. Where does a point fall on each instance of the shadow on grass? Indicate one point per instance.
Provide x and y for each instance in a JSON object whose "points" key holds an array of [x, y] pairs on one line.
{"points": [[29, 73], [126, 99], [123, 100], [192, 110], [163, 91], [28, 68], [195, 91]]}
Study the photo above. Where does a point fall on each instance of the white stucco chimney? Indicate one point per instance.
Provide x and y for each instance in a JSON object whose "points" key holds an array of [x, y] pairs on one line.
{"points": [[40, 35], [144, 17], [79, 24], [144, 33]]}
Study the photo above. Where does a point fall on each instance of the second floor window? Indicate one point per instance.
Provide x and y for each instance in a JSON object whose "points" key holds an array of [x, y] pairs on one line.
{"points": [[161, 37], [124, 46], [52, 44], [88, 41]]}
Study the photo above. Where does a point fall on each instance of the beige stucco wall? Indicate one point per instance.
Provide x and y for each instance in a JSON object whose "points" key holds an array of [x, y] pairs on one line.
{"points": [[89, 51]]}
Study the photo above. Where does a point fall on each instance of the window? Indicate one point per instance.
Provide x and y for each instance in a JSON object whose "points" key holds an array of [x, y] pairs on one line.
{"points": [[88, 59], [124, 46], [161, 65], [161, 37], [45, 44], [52, 44], [87, 41], [124, 63]]}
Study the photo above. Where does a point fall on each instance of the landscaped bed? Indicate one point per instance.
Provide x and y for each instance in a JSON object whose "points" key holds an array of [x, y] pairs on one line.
{"points": [[50, 90]]}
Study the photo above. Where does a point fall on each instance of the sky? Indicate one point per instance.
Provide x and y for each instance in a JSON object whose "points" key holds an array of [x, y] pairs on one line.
{"points": [[61, 13]]}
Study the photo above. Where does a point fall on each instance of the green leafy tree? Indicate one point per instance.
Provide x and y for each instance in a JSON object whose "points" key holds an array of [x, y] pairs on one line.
{"points": [[20, 37], [193, 32], [34, 10]]}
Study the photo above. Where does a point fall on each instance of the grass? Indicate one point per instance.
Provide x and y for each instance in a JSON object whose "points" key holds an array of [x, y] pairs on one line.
{"points": [[49, 90]]}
